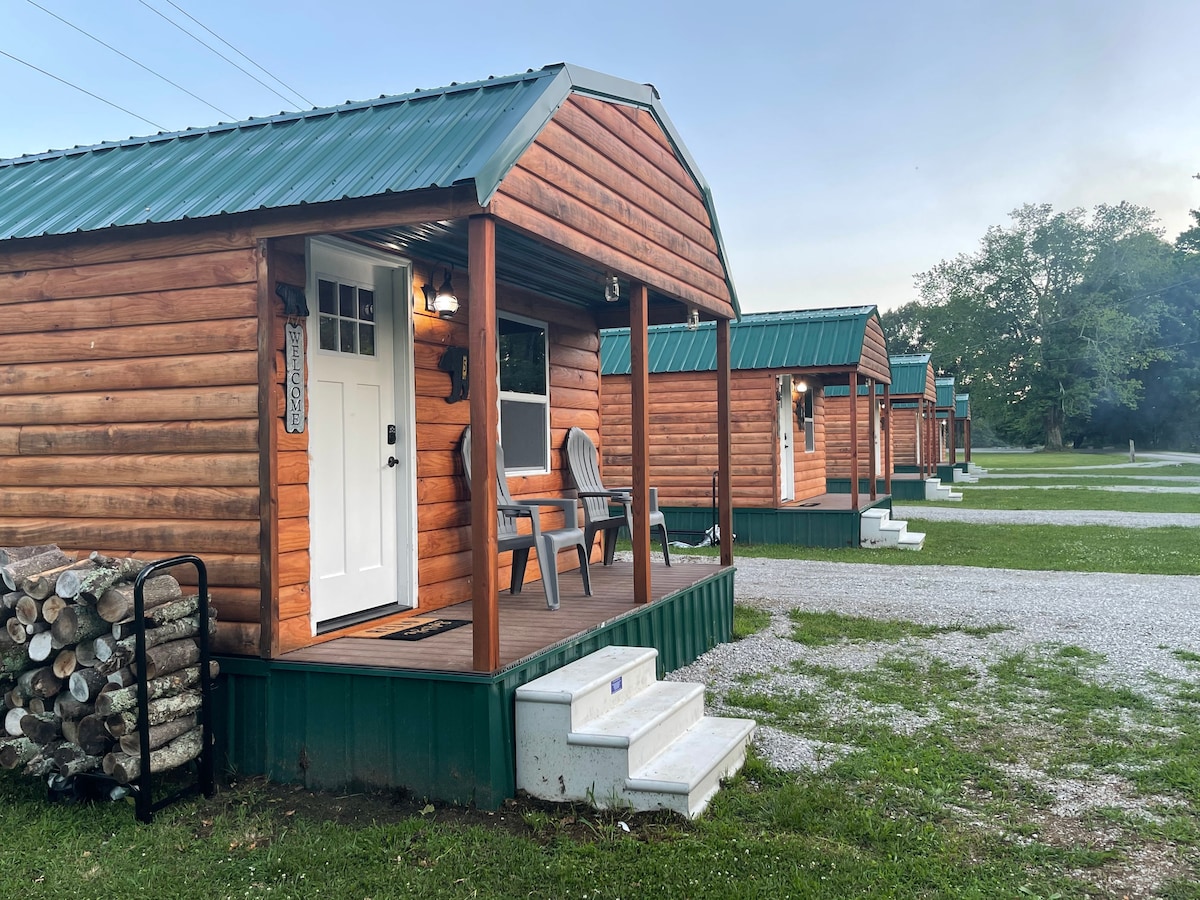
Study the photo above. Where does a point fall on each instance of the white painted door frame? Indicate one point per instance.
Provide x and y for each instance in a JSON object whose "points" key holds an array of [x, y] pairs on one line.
{"points": [[787, 448], [388, 492]]}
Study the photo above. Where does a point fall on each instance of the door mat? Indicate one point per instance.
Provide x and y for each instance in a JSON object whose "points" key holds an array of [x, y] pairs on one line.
{"points": [[413, 629]]}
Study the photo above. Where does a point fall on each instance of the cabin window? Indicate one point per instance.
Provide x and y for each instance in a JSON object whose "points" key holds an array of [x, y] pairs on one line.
{"points": [[347, 318], [806, 407], [524, 395]]}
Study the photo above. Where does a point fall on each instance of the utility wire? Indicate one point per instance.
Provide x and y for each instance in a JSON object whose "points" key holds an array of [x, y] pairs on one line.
{"points": [[248, 59], [251, 75], [227, 115], [83, 90]]}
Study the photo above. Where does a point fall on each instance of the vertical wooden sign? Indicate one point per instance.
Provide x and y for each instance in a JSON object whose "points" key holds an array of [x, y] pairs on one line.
{"points": [[293, 352]]}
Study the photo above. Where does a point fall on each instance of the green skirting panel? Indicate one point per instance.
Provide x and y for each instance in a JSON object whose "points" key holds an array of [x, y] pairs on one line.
{"points": [[441, 736], [899, 488], [797, 526]]}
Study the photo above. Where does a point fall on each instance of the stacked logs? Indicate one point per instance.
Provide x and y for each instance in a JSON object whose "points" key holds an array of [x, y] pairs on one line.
{"points": [[68, 678]]}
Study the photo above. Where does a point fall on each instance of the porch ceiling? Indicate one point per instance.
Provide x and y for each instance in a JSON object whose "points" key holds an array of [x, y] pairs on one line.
{"points": [[523, 262]]}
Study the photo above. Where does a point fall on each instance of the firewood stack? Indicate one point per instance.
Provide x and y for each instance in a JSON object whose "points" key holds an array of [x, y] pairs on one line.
{"points": [[68, 677]]}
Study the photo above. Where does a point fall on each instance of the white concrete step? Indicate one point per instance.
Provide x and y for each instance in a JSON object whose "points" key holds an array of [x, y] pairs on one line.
{"points": [[642, 727], [687, 775], [935, 490], [877, 528], [592, 686], [912, 540], [585, 730]]}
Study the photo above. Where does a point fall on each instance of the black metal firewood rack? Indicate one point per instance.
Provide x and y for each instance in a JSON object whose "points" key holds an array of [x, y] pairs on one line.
{"points": [[204, 781]]}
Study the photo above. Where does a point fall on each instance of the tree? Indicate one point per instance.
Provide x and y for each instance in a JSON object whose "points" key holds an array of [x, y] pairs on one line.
{"points": [[1052, 316]]}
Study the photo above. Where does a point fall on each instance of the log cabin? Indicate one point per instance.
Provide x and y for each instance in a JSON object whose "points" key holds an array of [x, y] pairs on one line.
{"points": [[908, 427], [962, 415], [260, 343], [783, 364]]}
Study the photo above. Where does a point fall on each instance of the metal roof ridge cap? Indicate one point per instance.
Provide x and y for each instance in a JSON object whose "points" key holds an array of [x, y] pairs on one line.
{"points": [[535, 119]]}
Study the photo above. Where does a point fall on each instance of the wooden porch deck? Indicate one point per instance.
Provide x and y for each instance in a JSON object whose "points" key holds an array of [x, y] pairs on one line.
{"points": [[832, 502], [527, 627]]}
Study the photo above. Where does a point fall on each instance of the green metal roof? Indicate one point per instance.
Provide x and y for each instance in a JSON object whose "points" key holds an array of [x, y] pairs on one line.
{"points": [[464, 133], [909, 372], [801, 339], [962, 406], [945, 392]]}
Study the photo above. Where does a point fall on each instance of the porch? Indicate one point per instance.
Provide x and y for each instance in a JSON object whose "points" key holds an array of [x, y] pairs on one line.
{"points": [[361, 713], [824, 520]]}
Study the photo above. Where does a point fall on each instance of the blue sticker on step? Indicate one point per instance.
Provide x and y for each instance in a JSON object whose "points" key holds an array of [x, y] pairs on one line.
{"points": [[614, 685]]}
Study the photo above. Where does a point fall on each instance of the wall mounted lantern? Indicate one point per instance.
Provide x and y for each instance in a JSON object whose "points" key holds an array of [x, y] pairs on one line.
{"points": [[612, 289], [442, 301], [693, 318]]}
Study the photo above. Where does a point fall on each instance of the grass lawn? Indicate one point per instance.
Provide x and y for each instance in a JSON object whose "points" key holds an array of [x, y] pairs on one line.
{"points": [[1051, 548]]}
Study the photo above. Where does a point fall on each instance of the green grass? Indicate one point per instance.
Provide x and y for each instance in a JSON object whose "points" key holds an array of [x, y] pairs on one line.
{"points": [[1053, 548], [818, 629], [748, 620], [1071, 498], [1040, 459]]}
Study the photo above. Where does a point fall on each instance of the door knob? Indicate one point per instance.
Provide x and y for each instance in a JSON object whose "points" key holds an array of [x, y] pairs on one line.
{"points": [[392, 461]]}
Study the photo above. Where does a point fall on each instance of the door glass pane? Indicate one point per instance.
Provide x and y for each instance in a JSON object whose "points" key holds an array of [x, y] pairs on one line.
{"points": [[366, 305], [329, 329], [366, 339], [326, 302], [348, 334], [346, 301]]}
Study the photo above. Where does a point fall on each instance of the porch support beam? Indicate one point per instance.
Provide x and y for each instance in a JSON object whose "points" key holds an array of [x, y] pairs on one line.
{"points": [[639, 374], [951, 428], [886, 436], [967, 441], [872, 430], [484, 380], [854, 440], [724, 444]]}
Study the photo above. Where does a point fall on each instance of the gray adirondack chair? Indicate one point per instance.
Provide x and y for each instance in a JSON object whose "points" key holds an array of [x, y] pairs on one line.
{"points": [[584, 465], [549, 542]]}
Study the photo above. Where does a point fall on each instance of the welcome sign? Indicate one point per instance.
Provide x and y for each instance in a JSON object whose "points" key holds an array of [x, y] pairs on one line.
{"points": [[293, 354]]}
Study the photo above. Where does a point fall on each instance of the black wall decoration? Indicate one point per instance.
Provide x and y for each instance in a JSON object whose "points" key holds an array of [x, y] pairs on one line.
{"points": [[454, 361], [295, 304]]}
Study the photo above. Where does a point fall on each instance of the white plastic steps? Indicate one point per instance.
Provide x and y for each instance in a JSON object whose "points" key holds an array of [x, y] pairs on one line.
{"points": [[604, 730], [961, 477], [877, 528], [935, 490]]}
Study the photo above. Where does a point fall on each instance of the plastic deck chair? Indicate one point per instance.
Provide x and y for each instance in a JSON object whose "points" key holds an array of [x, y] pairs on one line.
{"points": [[584, 466], [547, 542]]}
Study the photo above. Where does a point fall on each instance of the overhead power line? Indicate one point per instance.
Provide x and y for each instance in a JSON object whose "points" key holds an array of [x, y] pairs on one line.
{"points": [[87, 34], [248, 59], [83, 91], [213, 49]]}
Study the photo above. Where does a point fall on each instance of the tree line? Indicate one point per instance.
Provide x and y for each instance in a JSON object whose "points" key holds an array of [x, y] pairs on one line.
{"points": [[1068, 328]]}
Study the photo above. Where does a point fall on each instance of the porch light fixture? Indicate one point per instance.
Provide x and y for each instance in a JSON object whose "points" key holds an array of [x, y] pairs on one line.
{"points": [[693, 318], [612, 289], [443, 301]]}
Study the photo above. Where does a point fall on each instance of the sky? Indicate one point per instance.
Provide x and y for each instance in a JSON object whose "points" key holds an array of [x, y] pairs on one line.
{"points": [[848, 145]]}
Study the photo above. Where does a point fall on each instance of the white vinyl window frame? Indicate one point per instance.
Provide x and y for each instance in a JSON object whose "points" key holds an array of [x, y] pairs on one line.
{"points": [[525, 398], [810, 435]]}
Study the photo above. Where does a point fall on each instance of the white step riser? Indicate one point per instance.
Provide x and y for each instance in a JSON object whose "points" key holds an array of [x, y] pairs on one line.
{"points": [[638, 739], [591, 687], [651, 794]]}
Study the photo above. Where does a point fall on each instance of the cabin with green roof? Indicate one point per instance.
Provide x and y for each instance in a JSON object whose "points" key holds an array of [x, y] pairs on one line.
{"points": [[260, 342], [783, 364], [908, 427]]}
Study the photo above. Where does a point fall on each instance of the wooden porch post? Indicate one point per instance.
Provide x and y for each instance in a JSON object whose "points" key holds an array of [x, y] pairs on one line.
{"points": [[927, 439], [886, 430], [951, 427], [724, 444], [483, 380], [872, 450], [854, 440], [639, 376], [967, 441]]}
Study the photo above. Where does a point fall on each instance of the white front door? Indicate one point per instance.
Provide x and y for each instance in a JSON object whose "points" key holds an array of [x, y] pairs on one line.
{"points": [[362, 479], [787, 454]]}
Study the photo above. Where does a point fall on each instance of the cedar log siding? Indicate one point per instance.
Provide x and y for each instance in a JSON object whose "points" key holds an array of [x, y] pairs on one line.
{"points": [[905, 430], [683, 449], [837, 431], [603, 181], [129, 411]]}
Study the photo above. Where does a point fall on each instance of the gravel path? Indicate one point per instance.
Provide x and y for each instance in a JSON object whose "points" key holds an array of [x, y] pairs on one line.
{"points": [[1136, 621], [1048, 517]]}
